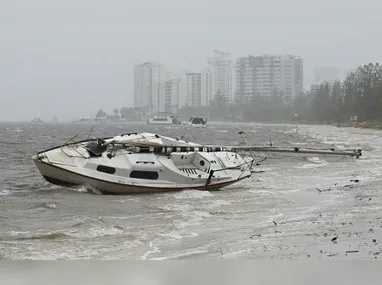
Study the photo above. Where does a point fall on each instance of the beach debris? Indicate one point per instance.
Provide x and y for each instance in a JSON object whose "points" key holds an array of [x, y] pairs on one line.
{"points": [[334, 240], [275, 223], [354, 180], [258, 171], [374, 240], [252, 236], [352, 251], [323, 190]]}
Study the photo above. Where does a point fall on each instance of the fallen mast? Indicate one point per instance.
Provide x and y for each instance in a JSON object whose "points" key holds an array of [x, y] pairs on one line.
{"points": [[211, 148], [349, 152]]}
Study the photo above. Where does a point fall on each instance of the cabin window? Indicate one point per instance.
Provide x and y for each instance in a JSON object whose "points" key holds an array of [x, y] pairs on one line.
{"points": [[144, 162], [106, 169], [153, 175]]}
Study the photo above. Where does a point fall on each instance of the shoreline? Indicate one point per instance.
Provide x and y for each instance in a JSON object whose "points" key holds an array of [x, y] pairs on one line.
{"points": [[375, 125]]}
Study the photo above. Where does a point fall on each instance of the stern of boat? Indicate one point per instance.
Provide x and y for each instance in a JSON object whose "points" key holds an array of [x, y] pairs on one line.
{"points": [[53, 173]]}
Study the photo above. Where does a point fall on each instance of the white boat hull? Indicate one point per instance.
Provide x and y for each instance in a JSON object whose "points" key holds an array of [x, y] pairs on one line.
{"points": [[162, 120], [65, 178], [198, 126], [194, 125], [197, 122], [152, 122], [127, 172]]}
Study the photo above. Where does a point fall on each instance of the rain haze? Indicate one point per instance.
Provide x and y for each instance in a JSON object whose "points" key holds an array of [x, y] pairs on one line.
{"points": [[70, 58], [173, 130]]}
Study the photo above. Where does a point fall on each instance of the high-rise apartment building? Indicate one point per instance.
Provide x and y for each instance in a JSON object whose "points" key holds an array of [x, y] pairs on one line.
{"points": [[246, 77], [142, 83], [269, 74], [221, 70], [198, 89], [149, 86], [173, 94]]}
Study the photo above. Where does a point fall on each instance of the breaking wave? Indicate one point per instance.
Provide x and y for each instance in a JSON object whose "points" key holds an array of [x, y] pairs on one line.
{"points": [[45, 206], [5, 192], [192, 194], [84, 230]]}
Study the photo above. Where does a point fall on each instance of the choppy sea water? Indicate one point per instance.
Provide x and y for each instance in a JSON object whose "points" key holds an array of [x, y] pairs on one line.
{"points": [[277, 213]]}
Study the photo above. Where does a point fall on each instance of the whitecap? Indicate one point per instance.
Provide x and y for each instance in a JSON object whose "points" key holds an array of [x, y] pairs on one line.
{"points": [[219, 203], [175, 207], [94, 232], [192, 194], [5, 192], [86, 189]]}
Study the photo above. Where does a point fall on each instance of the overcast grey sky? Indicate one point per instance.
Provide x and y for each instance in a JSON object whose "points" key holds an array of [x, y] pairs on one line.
{"points": [[69, 58]]}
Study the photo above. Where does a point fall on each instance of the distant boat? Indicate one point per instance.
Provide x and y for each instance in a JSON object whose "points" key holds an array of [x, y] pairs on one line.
{"points": [[197, 122], [175, 120], [163, 119], [36, 120], [85, 120]]}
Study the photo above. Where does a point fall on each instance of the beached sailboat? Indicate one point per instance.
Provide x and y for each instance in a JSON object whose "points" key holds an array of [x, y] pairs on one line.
{"points": [[147, 162], [141, 162]]}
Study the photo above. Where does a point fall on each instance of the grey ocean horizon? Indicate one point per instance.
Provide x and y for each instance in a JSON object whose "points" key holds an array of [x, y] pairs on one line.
{"points": [[42, 221]]}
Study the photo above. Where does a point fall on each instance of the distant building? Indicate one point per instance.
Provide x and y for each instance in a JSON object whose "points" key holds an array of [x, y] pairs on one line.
{"points": [[142, 75], [182, 76], [221, 70], [198, 90], [315, 86], [149, 87], [264, 75], [246, 76], [326, 74], [173, 93]]}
